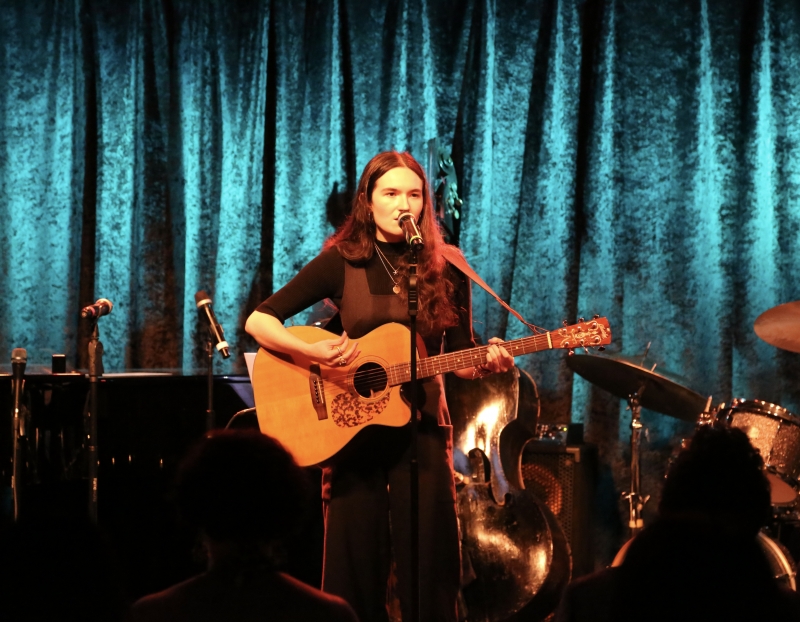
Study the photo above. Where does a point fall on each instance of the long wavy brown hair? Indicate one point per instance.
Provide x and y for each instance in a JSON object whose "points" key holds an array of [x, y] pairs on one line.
{"points": [[355, 240]]}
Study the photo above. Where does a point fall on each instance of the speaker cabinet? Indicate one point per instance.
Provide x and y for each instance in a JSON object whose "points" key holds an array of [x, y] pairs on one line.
{"points": [[563, 477]]}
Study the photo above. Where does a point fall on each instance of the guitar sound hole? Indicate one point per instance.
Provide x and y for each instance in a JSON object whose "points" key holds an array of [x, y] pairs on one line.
{"points": [[369, 380]]}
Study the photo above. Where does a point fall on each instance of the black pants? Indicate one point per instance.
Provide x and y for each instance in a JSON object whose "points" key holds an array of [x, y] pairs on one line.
{"points": [[367, 520]]}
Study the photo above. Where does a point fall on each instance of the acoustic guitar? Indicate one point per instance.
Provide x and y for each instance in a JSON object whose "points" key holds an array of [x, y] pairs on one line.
{"points": [[314, 409]]}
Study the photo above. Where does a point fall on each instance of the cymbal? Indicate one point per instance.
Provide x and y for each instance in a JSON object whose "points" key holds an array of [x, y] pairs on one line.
{"points": [[780, 326], [620, 376]]}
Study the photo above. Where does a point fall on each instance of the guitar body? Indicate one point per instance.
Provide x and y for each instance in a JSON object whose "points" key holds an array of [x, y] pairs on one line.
{"points": [[313, 409]]}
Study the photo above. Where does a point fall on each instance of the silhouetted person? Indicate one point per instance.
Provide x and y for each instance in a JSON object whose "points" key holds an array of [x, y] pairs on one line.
{"points": [[700, 560], [57, 568], [245, 493]]}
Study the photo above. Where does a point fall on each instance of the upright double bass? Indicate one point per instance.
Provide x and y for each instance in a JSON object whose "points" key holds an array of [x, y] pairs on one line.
{"points": [[515, 554]]}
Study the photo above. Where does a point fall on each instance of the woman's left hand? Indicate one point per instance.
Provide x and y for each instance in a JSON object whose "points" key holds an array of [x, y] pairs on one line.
{"points": [[498, 360]]}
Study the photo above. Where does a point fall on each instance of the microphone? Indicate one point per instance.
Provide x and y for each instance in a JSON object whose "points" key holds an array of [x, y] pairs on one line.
{"points": [[102, 307], [203, 301], [410, 228]]}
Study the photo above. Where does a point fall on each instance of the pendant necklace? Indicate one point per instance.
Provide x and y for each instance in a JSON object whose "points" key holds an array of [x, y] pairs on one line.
{"points": [[388, 264]]}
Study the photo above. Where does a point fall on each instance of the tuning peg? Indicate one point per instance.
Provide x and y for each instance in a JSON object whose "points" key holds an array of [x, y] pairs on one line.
{"points": [[601, 349], [581, 320], [570, 352], [596, 316], [565, 322]]}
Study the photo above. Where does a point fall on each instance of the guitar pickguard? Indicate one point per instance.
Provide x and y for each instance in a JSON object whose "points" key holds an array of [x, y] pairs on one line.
{"points": [[348, 411]]}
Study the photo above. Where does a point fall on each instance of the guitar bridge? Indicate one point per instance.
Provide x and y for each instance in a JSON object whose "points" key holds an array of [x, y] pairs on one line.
{"points": [[317, 390]]}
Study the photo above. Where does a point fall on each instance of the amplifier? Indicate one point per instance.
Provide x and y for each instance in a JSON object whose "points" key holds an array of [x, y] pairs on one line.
{"points": [[563, 477]]}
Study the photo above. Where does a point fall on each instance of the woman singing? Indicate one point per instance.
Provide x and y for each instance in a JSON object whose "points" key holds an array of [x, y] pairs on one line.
{"points": [[364, 269]]}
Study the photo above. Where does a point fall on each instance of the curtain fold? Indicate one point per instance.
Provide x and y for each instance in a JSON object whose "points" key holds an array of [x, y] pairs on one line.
{"points": [[223, 101], [42, 117], [133, 239]]}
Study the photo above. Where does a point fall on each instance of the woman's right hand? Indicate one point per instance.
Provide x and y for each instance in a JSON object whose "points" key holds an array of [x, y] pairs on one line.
{"points": [[337, 352], [270, 333]]}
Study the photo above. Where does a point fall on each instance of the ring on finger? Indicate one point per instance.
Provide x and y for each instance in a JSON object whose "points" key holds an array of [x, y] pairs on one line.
{"points": [[339, 350], [342, 362]]}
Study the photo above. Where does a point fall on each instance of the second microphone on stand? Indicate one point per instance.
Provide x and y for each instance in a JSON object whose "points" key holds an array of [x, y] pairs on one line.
{"points": [[102, 307], [203, 301]]}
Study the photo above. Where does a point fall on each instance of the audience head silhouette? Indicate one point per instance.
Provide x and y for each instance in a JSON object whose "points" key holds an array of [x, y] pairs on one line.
{"points": [[245, 492], [240, 486], [701, 559], [719, 478]]}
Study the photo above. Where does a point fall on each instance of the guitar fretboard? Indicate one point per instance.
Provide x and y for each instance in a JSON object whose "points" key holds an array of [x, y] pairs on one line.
{"points": [[442, 363]]}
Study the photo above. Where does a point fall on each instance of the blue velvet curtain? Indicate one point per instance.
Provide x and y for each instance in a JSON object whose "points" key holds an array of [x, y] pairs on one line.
{"points": [[636, 159]]}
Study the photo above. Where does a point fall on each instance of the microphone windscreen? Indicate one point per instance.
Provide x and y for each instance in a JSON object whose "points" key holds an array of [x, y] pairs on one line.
{"points": [[19, 355], [202, 298]]}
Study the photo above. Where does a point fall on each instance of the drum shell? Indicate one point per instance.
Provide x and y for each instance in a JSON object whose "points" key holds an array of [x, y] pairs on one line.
{"points": [[773, 431], [780, 561]]}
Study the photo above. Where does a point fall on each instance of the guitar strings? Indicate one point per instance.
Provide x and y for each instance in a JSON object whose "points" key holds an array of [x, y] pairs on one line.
{"points": [[472, 353], [382, 375]]}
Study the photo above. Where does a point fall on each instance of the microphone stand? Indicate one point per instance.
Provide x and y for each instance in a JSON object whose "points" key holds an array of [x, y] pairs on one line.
{"points": [[90, 424], [414, 464], [16, 433], [210, 415], [215, 333]]}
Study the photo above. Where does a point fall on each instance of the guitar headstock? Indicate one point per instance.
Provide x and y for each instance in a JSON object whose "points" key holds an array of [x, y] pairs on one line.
{"points": [[585, 334]]}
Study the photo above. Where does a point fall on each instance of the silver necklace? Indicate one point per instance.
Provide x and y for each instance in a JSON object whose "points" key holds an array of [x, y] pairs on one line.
{"points": [[386, 265]]}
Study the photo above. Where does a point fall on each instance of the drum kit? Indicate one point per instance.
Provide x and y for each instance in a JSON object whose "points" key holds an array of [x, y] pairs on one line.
{"points": [[772, 430]]}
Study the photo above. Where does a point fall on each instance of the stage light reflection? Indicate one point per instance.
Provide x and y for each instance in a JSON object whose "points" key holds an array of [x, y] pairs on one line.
{"points": [[479, 433]]}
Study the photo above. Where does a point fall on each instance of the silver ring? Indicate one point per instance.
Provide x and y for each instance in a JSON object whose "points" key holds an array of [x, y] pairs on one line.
{"points": [[339, 350], [342, 362]]}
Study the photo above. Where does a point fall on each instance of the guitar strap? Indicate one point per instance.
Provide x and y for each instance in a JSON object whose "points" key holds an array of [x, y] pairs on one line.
{"points": [[456, 257]]}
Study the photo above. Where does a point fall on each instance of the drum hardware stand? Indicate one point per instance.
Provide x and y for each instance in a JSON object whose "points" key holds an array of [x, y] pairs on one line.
{"points": [[636, 501], [628, 381], [644, 356], [90, 423], [708, 416]]}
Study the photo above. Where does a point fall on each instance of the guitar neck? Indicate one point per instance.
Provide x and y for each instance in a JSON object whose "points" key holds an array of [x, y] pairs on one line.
{"points": [[461, 359]]}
